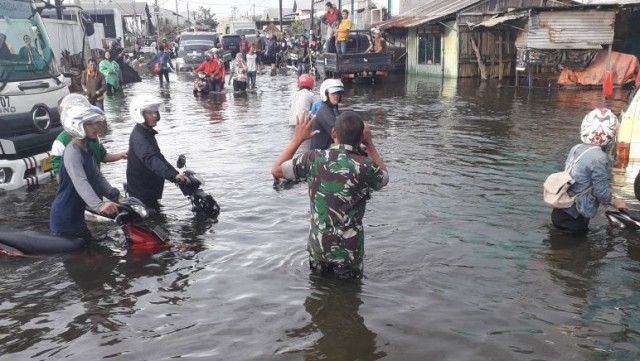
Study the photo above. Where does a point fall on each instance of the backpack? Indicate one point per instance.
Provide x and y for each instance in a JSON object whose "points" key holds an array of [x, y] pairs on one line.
{"points": [[557, 185]]}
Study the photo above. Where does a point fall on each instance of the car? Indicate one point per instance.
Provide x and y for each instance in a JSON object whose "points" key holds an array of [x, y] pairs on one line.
{"points": [[192, 49], [231, 43]]}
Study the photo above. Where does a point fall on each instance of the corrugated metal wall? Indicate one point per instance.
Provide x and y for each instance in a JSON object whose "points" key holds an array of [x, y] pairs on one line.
{"points": [[587, 29]]}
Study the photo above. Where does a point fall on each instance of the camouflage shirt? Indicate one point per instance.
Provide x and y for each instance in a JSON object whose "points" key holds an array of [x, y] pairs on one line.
{"points": [[340, 181]]}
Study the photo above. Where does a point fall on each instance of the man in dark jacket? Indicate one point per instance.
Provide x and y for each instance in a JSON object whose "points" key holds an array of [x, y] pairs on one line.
{"points": [[147, 168]]}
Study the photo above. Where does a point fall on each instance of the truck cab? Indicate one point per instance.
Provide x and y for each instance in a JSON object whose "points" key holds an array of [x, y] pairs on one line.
{"points": [[31, 86]]}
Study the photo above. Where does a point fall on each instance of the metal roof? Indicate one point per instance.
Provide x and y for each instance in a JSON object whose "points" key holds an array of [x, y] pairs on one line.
{"points": [[499, 20], [578, 29], [429, 11]]}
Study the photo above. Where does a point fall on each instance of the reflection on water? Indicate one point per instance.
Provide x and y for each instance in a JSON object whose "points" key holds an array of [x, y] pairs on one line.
{"points": [[461, 263], [340, 332]]}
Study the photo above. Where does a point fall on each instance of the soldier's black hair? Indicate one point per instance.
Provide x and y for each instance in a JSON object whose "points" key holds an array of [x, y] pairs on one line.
{"points": [[349, 127]]}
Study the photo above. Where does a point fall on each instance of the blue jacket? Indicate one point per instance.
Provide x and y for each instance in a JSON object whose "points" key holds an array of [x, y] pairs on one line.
{"points": [[592, 170]]}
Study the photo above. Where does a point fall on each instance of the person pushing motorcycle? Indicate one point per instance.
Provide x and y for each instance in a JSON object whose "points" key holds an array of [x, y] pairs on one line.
{"points": [[81, 184], [147, 168]]}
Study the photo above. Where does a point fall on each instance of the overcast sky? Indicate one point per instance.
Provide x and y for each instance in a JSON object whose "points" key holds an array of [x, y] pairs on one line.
{"points": [[225, 8]]}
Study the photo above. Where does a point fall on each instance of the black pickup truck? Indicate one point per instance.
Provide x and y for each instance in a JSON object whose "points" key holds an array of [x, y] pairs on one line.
{"points": [[355, 63]]}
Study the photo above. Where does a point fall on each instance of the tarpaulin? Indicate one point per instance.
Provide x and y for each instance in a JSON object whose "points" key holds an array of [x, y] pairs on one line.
{"points": [[624, 67]]}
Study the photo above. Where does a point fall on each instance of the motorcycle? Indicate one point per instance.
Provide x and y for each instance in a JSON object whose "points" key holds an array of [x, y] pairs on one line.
{"points": [[624, 218], [130, 218], [202, 203]]}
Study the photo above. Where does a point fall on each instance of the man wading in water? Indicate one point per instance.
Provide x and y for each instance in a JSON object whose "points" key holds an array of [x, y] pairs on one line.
{"points": [[340, 180]]}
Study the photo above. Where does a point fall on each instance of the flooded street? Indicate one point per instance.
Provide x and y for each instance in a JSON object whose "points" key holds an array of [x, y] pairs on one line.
{"points": [[461, 262]]}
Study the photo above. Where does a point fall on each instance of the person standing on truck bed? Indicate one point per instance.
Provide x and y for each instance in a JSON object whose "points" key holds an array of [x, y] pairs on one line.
{"points": [[342, 33], [331, 18], [111, 71], [379, 44], [93, 84]]}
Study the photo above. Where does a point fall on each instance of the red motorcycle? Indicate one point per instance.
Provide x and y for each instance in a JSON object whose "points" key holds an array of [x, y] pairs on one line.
{"points": [[130, 218]]}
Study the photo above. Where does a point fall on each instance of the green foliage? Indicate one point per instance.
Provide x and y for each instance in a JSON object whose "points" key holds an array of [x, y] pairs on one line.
{"points": [[204, 16], [295, 28]]}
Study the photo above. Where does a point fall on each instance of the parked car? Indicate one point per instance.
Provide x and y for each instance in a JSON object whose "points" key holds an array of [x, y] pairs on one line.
{"points": [[231, 43], [192, 48]]}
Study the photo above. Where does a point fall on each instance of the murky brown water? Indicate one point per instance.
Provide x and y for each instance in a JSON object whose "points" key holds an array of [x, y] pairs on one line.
{"points": [[461, 263]]}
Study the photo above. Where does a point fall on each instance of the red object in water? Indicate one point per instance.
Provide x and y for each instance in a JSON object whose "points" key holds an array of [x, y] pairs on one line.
{"points": [[607, 87]]}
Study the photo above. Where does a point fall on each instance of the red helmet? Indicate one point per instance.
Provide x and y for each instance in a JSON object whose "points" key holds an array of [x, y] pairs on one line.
{"points": [[305, 81]]}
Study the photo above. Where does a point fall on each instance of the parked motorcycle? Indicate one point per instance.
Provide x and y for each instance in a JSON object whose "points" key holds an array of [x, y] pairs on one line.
{"points": [[130, 218], [202, 203]]}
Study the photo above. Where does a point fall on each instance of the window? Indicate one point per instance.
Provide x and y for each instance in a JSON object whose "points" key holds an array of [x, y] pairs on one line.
{"points": [[429, 45]]}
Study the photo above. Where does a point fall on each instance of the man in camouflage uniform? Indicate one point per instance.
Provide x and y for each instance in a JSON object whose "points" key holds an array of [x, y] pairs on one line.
{"points": [[340, 179]]}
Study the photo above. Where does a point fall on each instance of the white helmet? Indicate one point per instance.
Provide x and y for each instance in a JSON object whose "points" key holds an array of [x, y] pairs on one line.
{"points": [[74, 117], [73, 99], [330, 86], [599, 127], [141, 103]]}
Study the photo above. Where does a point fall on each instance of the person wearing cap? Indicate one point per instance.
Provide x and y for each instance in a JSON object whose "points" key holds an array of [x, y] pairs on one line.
{"points": [[217, 73], [330, 94], [342, 33], [340, 181], [147, 168], [379, 44], [81, 184]]}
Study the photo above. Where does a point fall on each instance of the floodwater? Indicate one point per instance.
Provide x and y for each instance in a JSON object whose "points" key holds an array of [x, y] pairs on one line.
{"points": [[461, 262]]}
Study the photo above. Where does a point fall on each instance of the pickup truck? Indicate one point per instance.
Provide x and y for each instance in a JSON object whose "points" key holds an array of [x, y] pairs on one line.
{"points": [[355, 63]]}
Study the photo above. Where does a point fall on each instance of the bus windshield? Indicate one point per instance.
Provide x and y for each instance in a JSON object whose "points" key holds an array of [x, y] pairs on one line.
{"points": [[25, 51]]}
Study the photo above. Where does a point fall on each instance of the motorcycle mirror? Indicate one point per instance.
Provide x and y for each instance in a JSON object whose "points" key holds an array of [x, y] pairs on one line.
{"points": [[182, 161]]}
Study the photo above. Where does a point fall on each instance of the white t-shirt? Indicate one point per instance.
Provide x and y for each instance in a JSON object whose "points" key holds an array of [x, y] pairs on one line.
{"points": [[251, 62], [301, 102]]}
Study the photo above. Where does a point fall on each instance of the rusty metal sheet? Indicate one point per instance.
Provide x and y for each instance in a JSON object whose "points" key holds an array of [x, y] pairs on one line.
{"points": [[574, 29], [429, 11]]}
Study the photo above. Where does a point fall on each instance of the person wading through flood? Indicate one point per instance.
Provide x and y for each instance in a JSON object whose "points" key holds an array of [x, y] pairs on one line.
{"points": [[81, 184], [238, 73], [340, 181], [93, 84], [590, 172], [331, 91], [111, 71], [147, 168]]}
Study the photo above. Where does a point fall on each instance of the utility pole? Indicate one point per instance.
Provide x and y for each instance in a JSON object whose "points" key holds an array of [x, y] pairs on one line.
{"points": [[281, 16], [156, 9], [177, 19], [188, 15]]}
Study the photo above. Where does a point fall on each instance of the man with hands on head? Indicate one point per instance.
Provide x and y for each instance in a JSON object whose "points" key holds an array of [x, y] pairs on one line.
{"points": [[340, 180]]}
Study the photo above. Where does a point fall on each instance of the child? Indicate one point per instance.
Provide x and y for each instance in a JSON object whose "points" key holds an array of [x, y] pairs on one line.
{"points": [[301, 101], [201, 85]]}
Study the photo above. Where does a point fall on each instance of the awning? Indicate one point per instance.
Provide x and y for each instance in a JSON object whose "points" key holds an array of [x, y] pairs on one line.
{"points": [[499, 20]]}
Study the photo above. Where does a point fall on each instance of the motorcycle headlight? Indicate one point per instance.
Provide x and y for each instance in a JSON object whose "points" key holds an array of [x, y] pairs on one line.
{"points": [[140, 209]]}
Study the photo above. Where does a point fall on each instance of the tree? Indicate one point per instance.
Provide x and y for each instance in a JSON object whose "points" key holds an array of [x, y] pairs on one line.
{"points": [[204, 16], [295, 28], [295, 6]]}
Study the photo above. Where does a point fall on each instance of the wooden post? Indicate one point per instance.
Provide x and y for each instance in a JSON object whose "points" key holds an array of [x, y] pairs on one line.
{"points": [[500, 65], [483, 69]]}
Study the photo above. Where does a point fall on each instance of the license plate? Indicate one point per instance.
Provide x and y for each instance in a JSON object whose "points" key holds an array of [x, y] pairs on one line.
{"points": [[4, 102], [45, 165]]}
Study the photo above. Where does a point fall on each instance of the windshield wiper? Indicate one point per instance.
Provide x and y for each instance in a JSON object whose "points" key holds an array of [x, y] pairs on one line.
{"points": [[5, 79]]}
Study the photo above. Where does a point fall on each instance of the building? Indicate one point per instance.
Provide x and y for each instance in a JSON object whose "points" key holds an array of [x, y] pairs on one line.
{"points": [[441, 37]]}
